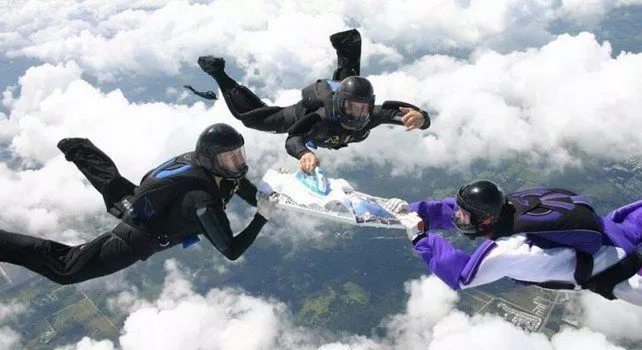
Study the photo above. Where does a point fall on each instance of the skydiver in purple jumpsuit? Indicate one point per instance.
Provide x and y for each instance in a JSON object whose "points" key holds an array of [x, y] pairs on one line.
{"points": [[548, 237]]}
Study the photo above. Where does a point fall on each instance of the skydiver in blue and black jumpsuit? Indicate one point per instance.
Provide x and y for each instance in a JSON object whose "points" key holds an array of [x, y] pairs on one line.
{"points": [[331, 113], [175, 202]]}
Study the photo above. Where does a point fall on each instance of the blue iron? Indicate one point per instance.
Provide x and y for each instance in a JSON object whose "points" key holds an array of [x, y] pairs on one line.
{"points": [[316, 181]]}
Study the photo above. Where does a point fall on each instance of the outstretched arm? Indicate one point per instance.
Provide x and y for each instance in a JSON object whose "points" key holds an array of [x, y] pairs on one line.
{"points": [[437, 215], [216, 227], [453, 266], [400, 113], [212, 222], [444, 260]]}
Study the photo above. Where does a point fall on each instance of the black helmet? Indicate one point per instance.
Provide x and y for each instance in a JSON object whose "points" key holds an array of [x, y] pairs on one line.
{"points": [[353, 102], [220, 151], [484, 201]]}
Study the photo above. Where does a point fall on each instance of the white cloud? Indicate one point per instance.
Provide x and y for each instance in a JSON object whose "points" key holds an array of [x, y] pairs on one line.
{"points": [[125, 301], [537, 103], [89, 344], [458, 331], [156, 37], [429, 302], [158, 41], [616, 319], [7, 97], [37, 200], [9, 339], [592, 10], [222, 319], [581, 339], [230, 319], [11, 310]]}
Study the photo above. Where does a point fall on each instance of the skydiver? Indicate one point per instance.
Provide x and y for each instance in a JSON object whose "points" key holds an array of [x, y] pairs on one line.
{"points": [[331, 113], [548, 237], [181, 198]]}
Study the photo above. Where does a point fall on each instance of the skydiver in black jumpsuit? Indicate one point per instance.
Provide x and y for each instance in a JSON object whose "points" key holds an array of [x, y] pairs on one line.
{"points": [[331, 113], [176, 201]]}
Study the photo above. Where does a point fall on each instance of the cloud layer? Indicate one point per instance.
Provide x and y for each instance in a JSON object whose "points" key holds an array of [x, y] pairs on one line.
{"points": [[115, 38], [540, 102], [223, 319]]}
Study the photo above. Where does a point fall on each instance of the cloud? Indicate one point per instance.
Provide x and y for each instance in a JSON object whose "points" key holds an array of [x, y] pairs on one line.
{"points": [[458, 331], [190, 319], [158, 40], [224, 317], [615, 319], [429, 301], [4, 225], [592, 10], [125, 301], [89, 344], [539, 103], [11, 310], [112, 39], [9, 339], [581, 339]]}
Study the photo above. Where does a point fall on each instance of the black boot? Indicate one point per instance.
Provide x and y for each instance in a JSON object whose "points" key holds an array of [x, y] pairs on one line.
{"points": [[215, 67], [346, 40], [348, 47], [211, 65]]}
